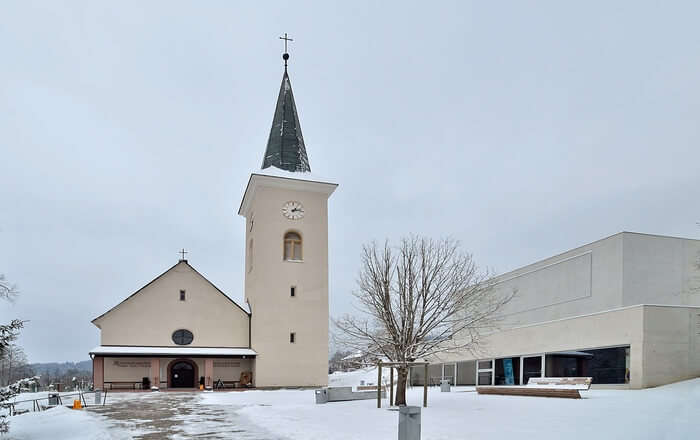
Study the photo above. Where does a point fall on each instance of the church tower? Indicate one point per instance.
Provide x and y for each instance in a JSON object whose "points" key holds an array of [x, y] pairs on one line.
{"points": [[286, 259]]}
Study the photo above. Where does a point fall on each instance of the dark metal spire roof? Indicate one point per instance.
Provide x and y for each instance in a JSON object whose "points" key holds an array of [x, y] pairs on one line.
{"points": [[285, 146]]}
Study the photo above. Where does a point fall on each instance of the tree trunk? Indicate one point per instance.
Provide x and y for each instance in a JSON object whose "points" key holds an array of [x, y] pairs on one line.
{"points": [[401, 386]]}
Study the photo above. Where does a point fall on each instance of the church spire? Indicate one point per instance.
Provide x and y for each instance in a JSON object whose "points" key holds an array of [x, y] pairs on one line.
{"points": [[285, 146]]}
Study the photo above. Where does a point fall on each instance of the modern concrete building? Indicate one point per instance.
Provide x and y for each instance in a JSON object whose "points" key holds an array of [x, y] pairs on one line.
{"points": [[180, 331], [624, 309]]}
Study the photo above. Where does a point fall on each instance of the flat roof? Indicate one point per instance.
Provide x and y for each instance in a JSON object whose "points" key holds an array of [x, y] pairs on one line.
{"points": [[104, 350]]}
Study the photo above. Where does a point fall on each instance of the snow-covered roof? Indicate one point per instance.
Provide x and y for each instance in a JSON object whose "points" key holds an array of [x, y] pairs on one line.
{"points": [[273, 171], [356, 355], [103, 350]]}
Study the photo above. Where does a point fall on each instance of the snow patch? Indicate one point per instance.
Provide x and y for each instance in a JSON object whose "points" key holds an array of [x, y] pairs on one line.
{"points": [[63, 423]]}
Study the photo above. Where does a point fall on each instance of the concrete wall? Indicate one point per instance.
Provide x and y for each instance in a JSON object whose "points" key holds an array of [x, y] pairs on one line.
{"points": [[622, 270], [150, 317], [275, 314], [671, 344], [660, 270], [584, 280]]}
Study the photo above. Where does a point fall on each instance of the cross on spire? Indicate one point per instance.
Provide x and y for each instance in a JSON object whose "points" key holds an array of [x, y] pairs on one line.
{"points": [[183, 252], [286, 39], [285, 55]]}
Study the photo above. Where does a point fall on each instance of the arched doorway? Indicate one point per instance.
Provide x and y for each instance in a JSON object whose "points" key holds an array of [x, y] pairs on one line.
{"points": [[182, 373]]}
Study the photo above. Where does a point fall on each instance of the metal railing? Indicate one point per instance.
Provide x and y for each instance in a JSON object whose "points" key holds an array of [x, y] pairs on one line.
{"points": [[37, 406]]}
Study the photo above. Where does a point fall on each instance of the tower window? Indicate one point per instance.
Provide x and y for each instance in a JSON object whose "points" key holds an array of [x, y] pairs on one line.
{"points": [[292, 291], [292, 246], [182, 295], [250, 255], [292, 337]]}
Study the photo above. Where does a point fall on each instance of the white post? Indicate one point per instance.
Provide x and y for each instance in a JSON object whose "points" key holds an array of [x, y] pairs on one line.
{"points": [[522, 367], [542, 369]]}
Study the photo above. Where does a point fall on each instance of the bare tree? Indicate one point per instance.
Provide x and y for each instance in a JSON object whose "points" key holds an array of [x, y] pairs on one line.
{"points": [[14, 365], [422, 298], [8, 333], [8, 291]]}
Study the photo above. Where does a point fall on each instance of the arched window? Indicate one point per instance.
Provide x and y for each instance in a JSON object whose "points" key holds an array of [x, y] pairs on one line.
{"points": [[292, 246], [182, 337]]}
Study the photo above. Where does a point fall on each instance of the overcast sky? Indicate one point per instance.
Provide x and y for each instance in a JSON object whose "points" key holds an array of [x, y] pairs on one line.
{"points": [[128, 130]]}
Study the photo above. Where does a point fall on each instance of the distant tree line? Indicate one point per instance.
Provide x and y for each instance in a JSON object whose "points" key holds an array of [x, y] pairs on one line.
{"points": [[13, 365], [64, 373]]}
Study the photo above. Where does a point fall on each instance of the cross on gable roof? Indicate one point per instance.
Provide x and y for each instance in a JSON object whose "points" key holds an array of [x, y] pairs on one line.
{"points": [[245, 310]]}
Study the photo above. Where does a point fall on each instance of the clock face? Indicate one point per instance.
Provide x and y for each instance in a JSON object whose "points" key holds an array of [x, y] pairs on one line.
{"points": [[293, 210]]}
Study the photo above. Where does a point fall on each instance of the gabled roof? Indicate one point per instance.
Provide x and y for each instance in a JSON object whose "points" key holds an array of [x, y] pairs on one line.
{"points": [[245, 310], [285, 146]]}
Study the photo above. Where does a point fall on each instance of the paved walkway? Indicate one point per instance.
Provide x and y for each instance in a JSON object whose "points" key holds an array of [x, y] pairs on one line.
{"points": [[172, 415]]}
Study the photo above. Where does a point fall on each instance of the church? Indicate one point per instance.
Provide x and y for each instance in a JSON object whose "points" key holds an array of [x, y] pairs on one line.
{"points": [[181, 331]]}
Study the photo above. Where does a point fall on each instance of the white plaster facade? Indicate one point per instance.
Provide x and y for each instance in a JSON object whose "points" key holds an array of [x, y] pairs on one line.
{"points": [[136, 336], [152, 314], [181, 298], [269, 279]]}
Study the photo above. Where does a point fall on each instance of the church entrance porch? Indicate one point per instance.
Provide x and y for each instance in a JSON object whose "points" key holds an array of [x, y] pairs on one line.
{"points": [[182, 373]]}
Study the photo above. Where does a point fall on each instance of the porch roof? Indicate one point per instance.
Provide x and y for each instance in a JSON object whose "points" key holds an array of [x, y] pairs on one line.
{"points": [[105, 350]]}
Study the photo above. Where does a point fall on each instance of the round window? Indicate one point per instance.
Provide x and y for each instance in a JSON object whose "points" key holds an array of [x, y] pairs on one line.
{"points": [[182, 337]]}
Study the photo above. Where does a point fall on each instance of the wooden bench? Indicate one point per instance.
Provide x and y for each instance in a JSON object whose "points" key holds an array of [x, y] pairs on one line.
{"points": [[369, 387], [123, 385], [566, 387], [223, 384]]}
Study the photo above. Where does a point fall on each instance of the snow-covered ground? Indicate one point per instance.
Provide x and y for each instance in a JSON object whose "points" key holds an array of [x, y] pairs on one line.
{"points": [[364, 376], [62, 423], [668, 412]]}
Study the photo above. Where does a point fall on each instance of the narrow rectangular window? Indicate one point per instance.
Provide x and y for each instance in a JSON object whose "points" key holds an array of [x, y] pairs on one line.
{"points": [[182, 295], [293, 291], [292, 338], [250, 256]]}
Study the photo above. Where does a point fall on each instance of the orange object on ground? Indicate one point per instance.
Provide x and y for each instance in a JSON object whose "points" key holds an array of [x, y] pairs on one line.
{"points": [[77, 404], [201, 387]]}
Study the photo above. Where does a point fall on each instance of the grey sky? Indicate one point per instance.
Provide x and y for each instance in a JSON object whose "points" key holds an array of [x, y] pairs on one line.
{"points": [[129, 130]]}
